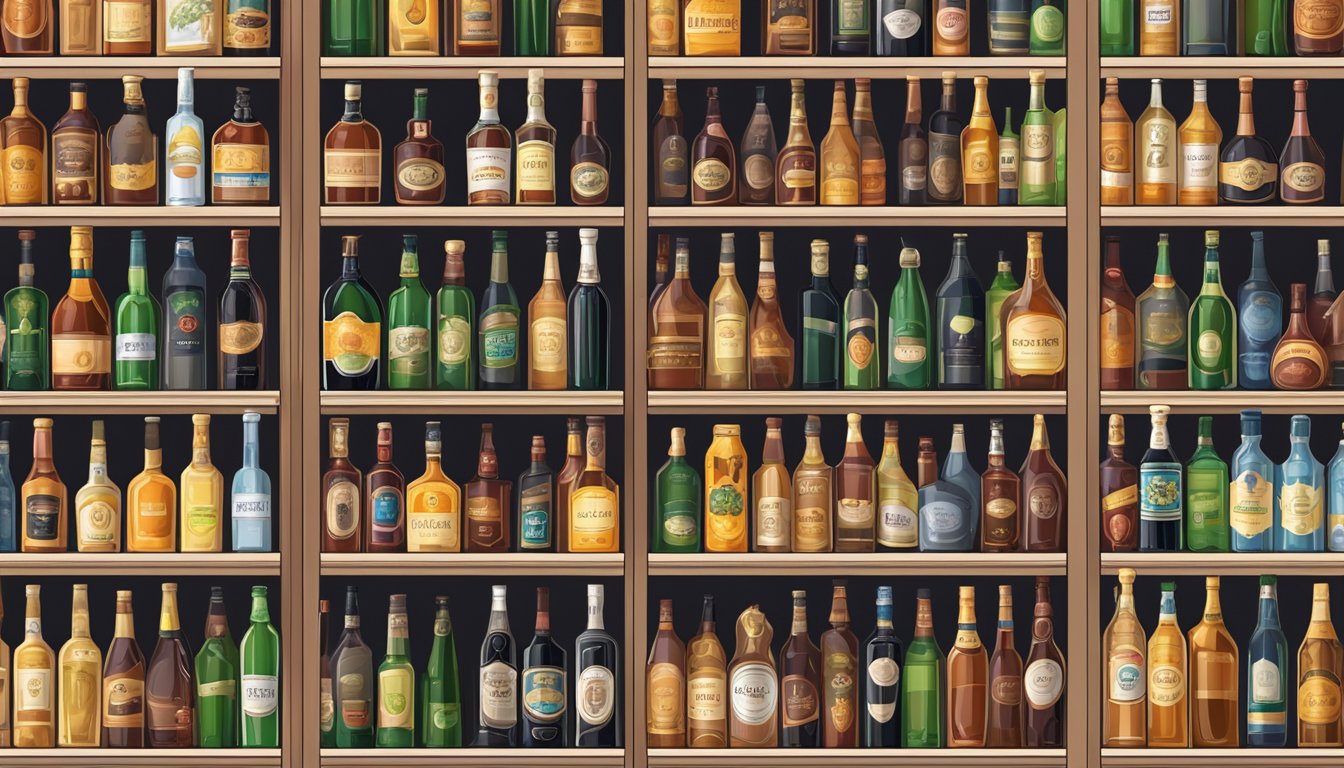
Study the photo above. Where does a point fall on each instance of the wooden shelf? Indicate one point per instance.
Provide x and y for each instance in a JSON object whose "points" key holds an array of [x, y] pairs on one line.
{"points": [[1316, 216], [875, 401], [467, 67], [138, 758], [828, 67], [1225, 563], [866, 564], [852, 758], [1234, 401], [473, 564], [473, 215], [165, 564], [474, 758], [856, 215], [563, 403], [148, 403], [150, 67], [1214, 67], [143, 215], [1219, 758]]}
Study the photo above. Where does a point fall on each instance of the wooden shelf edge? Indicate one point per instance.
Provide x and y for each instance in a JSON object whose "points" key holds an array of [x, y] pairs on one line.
{"points": [[473, 758], [1218, 758], [472, 564], [857, 215], [693, 67], [152, 67], [167, 564], [545, 403], [1228, 563], [477, 215], [168, 758], [1230, 67], [873, 564], [878, 401], [143, 215], [801, 758], [467, 67], [1136, 401], [1225, 215], [176, 402]]}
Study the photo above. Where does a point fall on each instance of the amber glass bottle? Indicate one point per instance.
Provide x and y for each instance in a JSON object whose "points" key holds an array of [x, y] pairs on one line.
{"points": [[771, 355], [1045, 495], [839, 677], [1004, 726], [488, 500], [1033, 329], [753, 711], [665, 682], [856, 493], [713, 159], [1000, 487], [1119, 493], [1299, 361], [1117, 322], [385, 499], [706, 685], [1214, 676], [967, 679]]}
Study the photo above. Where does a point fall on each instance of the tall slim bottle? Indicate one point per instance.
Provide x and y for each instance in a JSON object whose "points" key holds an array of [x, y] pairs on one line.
{"points": [[1004, 285], [1000, 489], [881, 691], [813, 494], [1259, 320], [1200, 137], [862, 351], [97, 504], [795, 170], [961, 325], [408, 322], [27, 325], [545, 688], [967, 679], [1161, 490], [1334, 479], [819, 319], [922, 690], [455, 313], [80, 689], [170, 689], [8, 514], [498, 706], [184, 316], [1299, 499], [897, 524], [1044, 679], [547, 332], [217, 678], [34, 679], [1004, 725], [706, 685], [497, 328], [799, 667], [151, 499], [980, 151], [43, 497], [772, 524], [136, 324], [1156, 152], [440, 687], [856, 492], [1320, 662], [352, 676], [1206, 495], [1252, 511], [839, 677], [598, 710], [184, 175], [202, 494], [1168, 674], [909, 330], [1213, 328], [1266, 668], [665, 681], [123, 682], [259, 654], [396, 681], [250, 499], [589, 321], [1215, 717], [1126, 684], [1010, 160], [727, 328]]}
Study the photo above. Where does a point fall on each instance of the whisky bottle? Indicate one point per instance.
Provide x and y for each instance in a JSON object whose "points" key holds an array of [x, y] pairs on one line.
{"points": [[1206, 495], [922, 691], [34, 673], [497, 328], [706, 685], [476, 27], [1318, 28], [184, 316], [711, 28], [819, 321], [1301, 163], [578, 28], [1205, 29], [384, 499], [980, 148], [726, 499], [76, 143], [813, 494], [589, 157], [131, 171], [250, 497], [27, 29], [1117, 27], [1168, 673], [455, 312], [1117, 145], [1214, 710], [1300, 487], [242, 322], [1010, 160], [1323, 293], [342, 526], [758, 153], [908, 328], [677, 501], [418, 159], [839, 676], [536, 147], [1251, 491], [863, 354], [753, 710], [671, 170], [434, 502], [80, 687], [961, 327], [881, 662], [151, 499], [1126, 684], [1009, 22], [1162, 495], [728, 329], [1266, 662], [170, 690], [564, 481], [352, 318], [413, 29], [1033, 321], [126, 27], [396, 681], [589, 321], [123, 682], [408, 321], [1157, 145], [352, 672], [913, 150], [856, 493], [26, 321], [488, 501], [1119, 492], [787, 28], [1000, 487], [1213, 328], [872, 158], [1248, 169], [1163, 311], [1117, 322], [489, 149], [23, 137], [1044, 679], [594, 517], [535, 513], [772, 517], [951, 28], [98, 503], [903, 29], [949, 508], [799, 667], [247, 28], [202, 497], [1200, 137], [713, 160], [967, 679], [945, 126], [839, 156], [1039, 183], [43, 527], [259, 671], [665, 681], [1319, 663], [897, 523], [217, 674], [1159, 27], [597, 662], [545, 690], [241, 156], [440, 690], [677, 330], [184, 157], [771, 343], [353, 155], [1004, 726], [189, 29], [1299, 361]]}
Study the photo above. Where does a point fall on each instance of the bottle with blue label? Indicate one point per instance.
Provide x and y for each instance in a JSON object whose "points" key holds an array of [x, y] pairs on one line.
{"points": [[1334, 503], [385, 499], [1161, 490], [251, 494], [1299, 499], [1259, 320], [1266, 705], [949, 508], [1251, 494], [544, 691], [536, 502]]}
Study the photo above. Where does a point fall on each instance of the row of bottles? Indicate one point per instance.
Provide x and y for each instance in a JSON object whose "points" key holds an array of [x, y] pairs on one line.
{"points": [[121, 28], [451, 342], [577, 509], [858, 505], [529, 697], [1009, 337], [353, 154], [1164, 341], [161, 516], [1206, 504], [469, 28], [947, 161], [1210, 27], [882, 693], [82, 165], [227, 695]]}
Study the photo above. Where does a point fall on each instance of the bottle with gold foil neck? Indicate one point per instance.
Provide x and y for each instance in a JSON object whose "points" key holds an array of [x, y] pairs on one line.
{"points": [[98, 503], [81, 673], [728, 331], [548, 333], [839, 156], [1168, 673], [1320, 663], [1045, 495], [839, 676], [151, 500], [967, 679], [81, 324], [856, 492], [1124, 721], [772, 517], [897, 518], [34, 680], [170, 696], [796, 164], [813, 494], [980, 150], [131, 174], [1215, 673], [1035, 344], [202, 494], [1200, 137]]}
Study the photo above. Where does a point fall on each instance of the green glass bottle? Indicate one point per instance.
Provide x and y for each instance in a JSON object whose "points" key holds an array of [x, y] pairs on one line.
{"points": [[1037, 179], [1206, 495], [136, 326], [1004, 285], [440, 689], [396, 682], [408, 347], [353, 28], [497, 330], [259, 656], [1213, 328], [217, 680], [1061, 119], [909, 364], [1117, 27], [27, 346], [1047, 29], [1265, 28], [862, 354], [819, 319], [455, 310], [677, 528], [531, 27], [922, 694], [1010, 160], [352, 320]]}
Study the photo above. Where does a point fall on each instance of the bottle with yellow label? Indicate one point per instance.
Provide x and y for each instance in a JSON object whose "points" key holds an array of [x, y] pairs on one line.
{"points": [[352, 319], [396, 681], [1299, 498], [34, 673], [1214, 677], [548, 330], [729, 332], [202, 494], [1035, 344], [131, 176], [433, 503], [23, 146], [839, 156], [81, 679], [184, 157], [711, 28], [1168, 711], [1320, 663], [98, 503], [813, 494], [726, 478], [595, 501], [151, 499]]}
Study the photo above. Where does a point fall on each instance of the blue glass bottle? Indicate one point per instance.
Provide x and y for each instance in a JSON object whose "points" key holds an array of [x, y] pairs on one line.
{"points": [[1334, 503], [1266, 705], [1259, 320], [6, 493], [949, 507], [251, 495], [1251, 500], [1299, 498]]}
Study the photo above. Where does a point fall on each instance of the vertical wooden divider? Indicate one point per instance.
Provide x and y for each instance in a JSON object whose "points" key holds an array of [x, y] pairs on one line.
{"points": [[636, 383], [1084, 367]]}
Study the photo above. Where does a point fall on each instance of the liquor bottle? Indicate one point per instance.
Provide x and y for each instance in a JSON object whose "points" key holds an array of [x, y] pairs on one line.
{"points": [[1033, 322], [242, 322], [1161, 480], [1299, 503], [1213, 328], [170, 690], [440, 689], [1117, 141], [27, 364], [81, 338], [97, 504], [43, 528], [1000, 487], [1117, 27], [151, 498], [851, 28], [922, 694], [202, 497], [1199, 137], [1004, 724], [726, 498], [418, 159], [354, 28], [1318, 28], [353, 154], [352, 319], [856, 493], [839, 676], [8, 543], [726, 361], [434, 503], [897, 521], [28, 28], [1214, 712], [597, 661], [671, 172], [536, 148], [343, 525], [218, 670], [260, 675], [589, 321], [706, 685], [250, 503], [1044, 678], [123, 682], [5, 669], [949, 508], [872, 158], [795, 172], [1250, 503], [1205, 28], [677, 501], [771, 349], [1168, 673], [489, 149], [34, 671], [1206, 495], [1323, 293], [903, 28], [578, 28], [589, 157], [488, 501], [1117, 322], [535, 515], [820, 320], [713, 160], [980, 150], [1119, 492], [384, 499], [945, 126], [665, 681], [76, 142], [813, 494], [545, 693], [961, 309], [186, 29], [352, 673], [676, 330], [80, 685], [1264, 30], [913, 150], [247, 28], [1334, 522], [497, 326], [967, 679], [241, 156], [184, 311], [455, 309], [757, 156], [1156, 141], [1163, 311], [130, 171], [1301, 163], [1319, 661], [22, 135], [881, 661], [1299, 361], [664, 26], [951, 28], [1124, 645], [839, 161], [1048, 25], [1266, 658], [594, 512], [1008, 27], [396, 681], [1004, 285], [799, 667], [1160, 27], [863, 367], [754, 684], [1010, 160], [772, 518], [413, 29], [787, 29], [1038, 184], [1259, 320], [564, 481], [408, 321], [1248, 170], [476, 28]]}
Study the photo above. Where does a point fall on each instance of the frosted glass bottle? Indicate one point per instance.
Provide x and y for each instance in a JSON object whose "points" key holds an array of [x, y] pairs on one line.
{"points": [[251, 495], [1299, 494]]}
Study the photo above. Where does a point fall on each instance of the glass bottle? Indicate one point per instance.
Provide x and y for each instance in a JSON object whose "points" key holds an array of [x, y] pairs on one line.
{"points": [[1301, 163], [123, 682], [713, 160], [564, 481], [1004, 725], [589, 156], [862, 367], [1000, 488], [131, 173], [1163, 311], [1117, 138], [80, 686], [1334, 522], [548, 333], [259, 652], [882, 667], [545, 692], [476, 28], [1117, 322], [247, 28], [42, 498], [26, 325], [1200, 137], [1319, 662], [677, 330], [1205, 28], [440, 687], [1157, 146], [1248, 170], [352, 152], [756, 161], [241, 156], [598, 690], [904, 27], [671, 177], [535, 513], [1323, 293], [1038, 185], [913, 150], [81, 324], [772, 345], [1213, 328], [1168, 675], [497, 328], [1214, 712], [595, 499], [1317, 29], [23, 136], [151, 499], [787, 28], [726, 362], [772, 519], [1266, 665], [1117, 27], [706, 685], [1010, 160], [949, 507], [1008, 27], [76, 143], [352, 318], [1124, 645], [796, 164], [97, 504], [1264, 29], [8, 501], [327, 710], [923, 689], [1259, 320], [184, 318], [488, 501], [354, 28], [489, 149], [754, 719], [1251, 509], [872, 158], [1160, 27], [531, 28], [396, 681], [1299, 501], [1044, 678], [352, 672], [589, 324], [813, 494], [1161, 480], [342, 503], [961, 309], [839, 159], [217, 667], [820, 318], [967, 679], [250, 498], [665, 681], [408, 322], [726, 497], [1206, 495], [455, 315], [384, 499], [839, 677], [678, 499], [242, 322], [945, 126], [1299, 361], [170, 690], [799, 667], [202, 494], [850, 28], [980, 150], [951, 28], [1035, 344], [418, 159], [909, 338], [1004, 285], [1119, 492], [856, 493], [34, 670], [897, 498]]}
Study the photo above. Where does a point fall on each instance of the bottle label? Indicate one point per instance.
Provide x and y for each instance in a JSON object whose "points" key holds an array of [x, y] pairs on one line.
{"points": [[1044, 682], [24, 174], [1215, 675], [799, 701], [1307, 179], [408, 351], [706, 700], [1128, 682], [884, 673], [241, 166], [1197, 166], [241, 337], [1116, 138], [1047, 23], [1159, 160], [730, 343], [953, 24], [34, 694], [422, 174], [589, 180], [754, 693], [252, 506], [185, 156], [772, 521], [1266, 682], [909, 350], [979, 163], [595, 699], [855, 513], [548, 339], [1248, 174], [945, 166], [667, 700], [127, 22], [897, 521], [124, 701], [713, 27], [1038, 155], [838, 673], [942, 517], [454, 340], [487, 524], [711, 174], [97, 521], [488, 171], [534, 506], [42, 516], [902, 23], [1208, 350], [1166, 685], [247, 27], [499, 337], [672, 177], [544, 694], [342, 510], [1162, 494], [1035, 343], [663, 30], [186, 327], [354, 706], [1301, 507], [1317, 19], [681, 525], [385, 506], [189, 27], [326, 707], [136, 346], [476, 23], [353, 169], [536, 166], [1117, 336], [861, 342], [759, 171], [432, 522], [261, 695], [592, 519], [1009, 163], [1160, 12], [1006, 690], [1299, 364], [80, 354], [396, 698], [1251, 500], [74, 165]]}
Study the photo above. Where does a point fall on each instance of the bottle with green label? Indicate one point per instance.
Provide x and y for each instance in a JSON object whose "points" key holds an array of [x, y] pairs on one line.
{"points": [[408, 347], [863, 367], [352, 321], [497, 330], [217, 680], [677, 503], [1037, 176], [396, 681], [1004, 285], [260, 664], [184, 360], [908, 362], [455, 313], [440, 689], [1213, 328], [136, 327], [1047, 29], [27, 344], [1206, 495]]}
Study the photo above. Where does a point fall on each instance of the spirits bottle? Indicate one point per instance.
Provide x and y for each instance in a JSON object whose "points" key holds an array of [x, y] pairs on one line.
{"points": [[1038, 185], [241, 156], [589, 321], [961, 327], [488, 501], [967, 679], [1044, 679], [945, 126], [352, 318], [980, 150], [1323, 293], [595, 499], [218, 671], [839, 155], [81, 324], [1163, 311], [1034, 340], [1213, 328], [260, 674], [80, 686], [713, 160], [476, 27], [1117, 322], [34, 672], [1206, 495], [1004, 285], [384, 499], [536, 147], [353, 153], [951, 28], [589, 157], [922, 691], [1168, 673], [535, 515], [1008, 27], [597, 661], [1205, 28], [131, 171], [851, 28], [408, 321], [76, 143], [771, 343], [440, 687], [1000, 488], [677, 501], [1116, 37], [902, 28], [813, 494], [897, 498], [187, 29], [754, 686], [354, 28], [1299, 502], [1334, 522], [352, 672], [881, 661], [787, 29], [1250, 495], [434, 502], [726, 497], [795, 171], [418, 159], [396, 681], [28, 29], [184, 315], [1248, 170], [497, 328], [151, 499], [1299, 361], [1200, 137], [772, 518], [1162, 491], [342, 505], [1004, 726], [950, 512], [726, 361], [489, 149], [1048, 24], [1119, 493], [1124, 645], [757, 156], [1259, 320], [136, 326], [8, 543], [706, 685], [122, 29], [123, 682], [27, 360], [872, 158], [564, 481], [677, 330], [247, 28], [1010, 160], [665, 681], [856, 493], [913, 150], [23, 136], [578, 28], [671, 171], [820, 321], [1301, 163], [1157, 145], [799, 667], [664, 27], [413, 29], [455, 313], [1264, 33], [543, 683], [242, 322], [863, 354], [1318, 28], [1214, 711], [202, 497], [1160, 27], [170, 688], [839, 676], [1266, 662], [1117, 142], [251, 494], [1319, 661], [43, 496]]}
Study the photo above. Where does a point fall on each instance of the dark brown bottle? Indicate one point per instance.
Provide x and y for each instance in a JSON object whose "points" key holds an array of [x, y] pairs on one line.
{"points": [[671, 170], [342, 529], [1045, 495], [589, 157], [756, 167], [913, 149], [1004, 725], [1119, 493], [926, 463], [1318, 27], [170, 691], [242, 322], [418, 177], [660, 270], [799, 690], [124, 683], [855, 493], [1299, 360], [1000, 488], [839, 677], [488, 501], [1043, 678], [713, 160], [326, 704], [76, 141], [1117, 323], [1301, 163], [385, 499]]}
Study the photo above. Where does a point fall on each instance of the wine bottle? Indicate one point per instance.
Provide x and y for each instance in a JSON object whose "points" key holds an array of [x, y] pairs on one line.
{"points": [[217, 676], [961, 327], [440, 688], [1248, 169], [597, 696], [170, 690], [259, 671], [1162, 493], [396, 681], [1259, 320], [545, 693], [1266, 665], [498, 706], [1301, 163]]}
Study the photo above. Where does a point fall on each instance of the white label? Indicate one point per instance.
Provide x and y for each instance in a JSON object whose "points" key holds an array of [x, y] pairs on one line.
{"points": [[754, 693], [261, 695], [596, 698], [896, 522], [1044, 680], [34, 689], [1123, 180], [772, 521], [1199, 165], [488, 170], [251, 506], [1158, 12], [1266, 682], [884, 673], [901, 24], [136, 346], [941, 516], [499, 695]]}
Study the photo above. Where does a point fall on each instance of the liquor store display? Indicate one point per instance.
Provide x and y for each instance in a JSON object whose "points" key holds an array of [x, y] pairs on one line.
{"points": [[142, 28], [1220, 28]]}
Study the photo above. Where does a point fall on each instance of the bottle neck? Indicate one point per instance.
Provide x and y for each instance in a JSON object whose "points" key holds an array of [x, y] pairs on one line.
{"points": [[1213, 607], [924, 618], [839, 108], [1300, 126], [489, 104], [1245, 116], [1167, 611], [595, 601], [588, 116], [1155, 99], [799, 628], [914, 106], [252, 445], [499, 267], [1269, 604]]}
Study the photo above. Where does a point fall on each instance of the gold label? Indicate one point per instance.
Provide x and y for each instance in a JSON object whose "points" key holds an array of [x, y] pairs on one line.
{"points": [[81, 354], [713, 27], [588, 179], [1249, 174], [124, 702], [1035, 344], [342, 510], [1299, 365], [666, 702], [432, 522], [1305, 177], [22, 173], [1117, 336], [706, 699], [1317, 19], [25, 18], [663, 27], [711, 174], [1115, 146], [860, 350], [1301, 506], [592, 520], [759, 171], [730, 342], [351, 344], [1125, 497], [1318, 697], [839, 181], [127, 22], [1002, 508], [953, 24], [74, 165], [247, 28], [1159, 161], [980, 165], [184, 153], [1038, 155], [579, 41], [420, 174], [227, 688], [133, 177], [353, 168], [98, 522], [536, 166], [240, 337], [1251, 500], [1166, 683], [476, 21], [455, 340], [408, 349], [547, 342]]}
